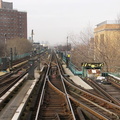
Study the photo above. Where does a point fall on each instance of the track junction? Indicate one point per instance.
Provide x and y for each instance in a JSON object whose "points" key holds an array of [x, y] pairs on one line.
{"points": [[53, 95]]}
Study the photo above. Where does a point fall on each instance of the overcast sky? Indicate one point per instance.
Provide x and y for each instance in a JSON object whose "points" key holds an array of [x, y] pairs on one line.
{"points": [[53, 20]]}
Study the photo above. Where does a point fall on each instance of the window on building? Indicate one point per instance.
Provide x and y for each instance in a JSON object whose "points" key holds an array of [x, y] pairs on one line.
{"points": [[102, 38], [96, 39]]}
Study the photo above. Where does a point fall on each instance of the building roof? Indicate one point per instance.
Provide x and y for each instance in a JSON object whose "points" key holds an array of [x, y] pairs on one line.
{"points": [[6, 5], [108, 22]]}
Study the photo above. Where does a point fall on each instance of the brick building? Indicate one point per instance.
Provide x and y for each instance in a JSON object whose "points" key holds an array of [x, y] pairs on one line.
{"points": [[13, 23], [106, 31], [107, 44]]}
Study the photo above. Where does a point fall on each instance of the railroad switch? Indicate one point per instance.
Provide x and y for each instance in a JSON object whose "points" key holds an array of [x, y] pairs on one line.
{"points": [[54, 71]]}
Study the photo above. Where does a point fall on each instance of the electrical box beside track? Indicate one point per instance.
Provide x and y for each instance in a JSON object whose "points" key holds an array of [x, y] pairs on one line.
{"points": [[31, 69], [4, 64]]}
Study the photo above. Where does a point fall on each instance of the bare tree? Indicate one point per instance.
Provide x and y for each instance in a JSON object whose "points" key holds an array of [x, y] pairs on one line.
{"points": [[107, 50], [22, 45], [82, 47]]}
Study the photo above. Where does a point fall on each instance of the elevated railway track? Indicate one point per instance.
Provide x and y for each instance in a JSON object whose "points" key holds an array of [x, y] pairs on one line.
{"points": [[60, 99], [109, 89], [56, 97]]}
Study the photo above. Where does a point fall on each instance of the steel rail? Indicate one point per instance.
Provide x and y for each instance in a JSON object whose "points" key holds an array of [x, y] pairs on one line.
{"points": [[88, 109], [43, 91], [80, 114], [105, 93], [67, 96], [104, 109], [114, 106], [112, 113], [114, 81]]}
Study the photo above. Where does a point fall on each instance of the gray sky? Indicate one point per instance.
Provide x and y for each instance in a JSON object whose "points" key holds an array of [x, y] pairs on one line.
{"points": [[53, 20]]}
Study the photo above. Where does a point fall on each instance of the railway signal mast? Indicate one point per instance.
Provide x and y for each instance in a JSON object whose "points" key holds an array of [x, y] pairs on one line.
{"points": [[32, 33], [31, 62]]}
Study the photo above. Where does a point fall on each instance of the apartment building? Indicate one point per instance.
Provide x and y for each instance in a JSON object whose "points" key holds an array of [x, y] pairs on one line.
{"points": [[106, 31], [13, 23]]}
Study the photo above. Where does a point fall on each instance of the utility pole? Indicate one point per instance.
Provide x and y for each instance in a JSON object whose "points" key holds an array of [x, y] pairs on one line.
{"points": [[11, 57], [31, 62], [39, 58], [15, 53], [32, 33], [67, 55], [67, 43]]}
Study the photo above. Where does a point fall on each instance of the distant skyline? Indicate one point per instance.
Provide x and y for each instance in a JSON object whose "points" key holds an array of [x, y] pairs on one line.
{"points": [[53, 20]]}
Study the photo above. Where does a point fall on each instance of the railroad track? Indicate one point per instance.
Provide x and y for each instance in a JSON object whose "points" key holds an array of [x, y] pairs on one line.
{"points": [[10, 79], [114, 81], [15, 62], [13, 93], [98, 107], [54, 104], [97, 103], [109, 89], [60, 99]]}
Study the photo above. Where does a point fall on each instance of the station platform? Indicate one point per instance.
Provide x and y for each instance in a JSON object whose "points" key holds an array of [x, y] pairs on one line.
{"points": [[76, 79], [13, 109], [3, 72]]}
